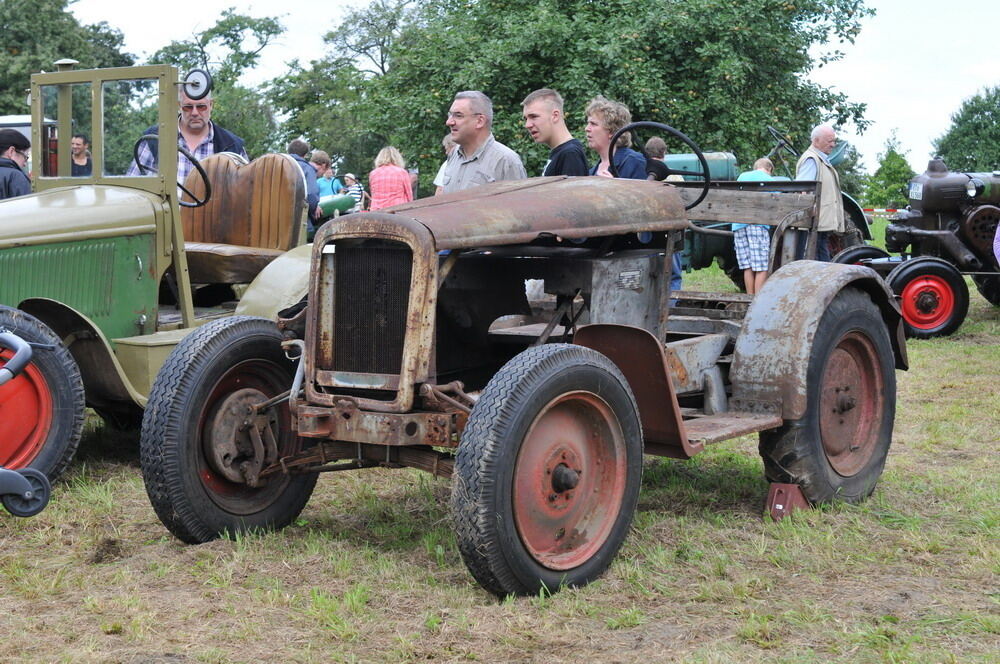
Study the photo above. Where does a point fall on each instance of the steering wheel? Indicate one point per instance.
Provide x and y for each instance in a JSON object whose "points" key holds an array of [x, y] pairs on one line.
{"points": [[143, 169], [704, 173], [781, 142]]}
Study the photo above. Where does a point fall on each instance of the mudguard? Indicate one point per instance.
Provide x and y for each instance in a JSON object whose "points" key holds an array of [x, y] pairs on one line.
{"points": [[771, 358]]}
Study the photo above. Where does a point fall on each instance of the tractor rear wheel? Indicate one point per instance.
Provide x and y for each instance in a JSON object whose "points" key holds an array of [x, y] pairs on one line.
{"points": [[44, 406], [837, 450], [932, 294], [204, 442], [547, 473]]}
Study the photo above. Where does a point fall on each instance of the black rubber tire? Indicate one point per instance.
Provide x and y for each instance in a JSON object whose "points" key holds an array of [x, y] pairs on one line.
{"points": [[194, 502], [41, 490], [989, 287], [52, 363], [483, 484], [796, 453], [854, 255], [946, 279]]}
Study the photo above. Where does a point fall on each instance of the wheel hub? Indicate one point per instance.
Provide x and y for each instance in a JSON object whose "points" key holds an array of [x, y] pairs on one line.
{"points": [[927, 302], [568, 480], [851, 394], [239, 441]]}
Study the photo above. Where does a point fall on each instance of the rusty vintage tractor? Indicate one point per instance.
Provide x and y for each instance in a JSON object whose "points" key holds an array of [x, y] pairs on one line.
{"points": [[418, 348], [946, 232]]}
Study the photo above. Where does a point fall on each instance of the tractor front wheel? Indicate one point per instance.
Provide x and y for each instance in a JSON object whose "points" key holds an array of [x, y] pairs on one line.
{"points": [[547, 473], [932, 294], [205, 437]]}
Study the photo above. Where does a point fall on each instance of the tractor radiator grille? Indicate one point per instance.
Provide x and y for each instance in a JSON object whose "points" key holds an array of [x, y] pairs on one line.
{"points": [[370, 305]]}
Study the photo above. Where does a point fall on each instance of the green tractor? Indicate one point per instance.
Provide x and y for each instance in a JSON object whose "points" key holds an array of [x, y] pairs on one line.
{"points": [[105, 273]]}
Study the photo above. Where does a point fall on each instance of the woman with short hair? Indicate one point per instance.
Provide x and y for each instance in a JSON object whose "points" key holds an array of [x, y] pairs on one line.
{"points": [[604, 118]]}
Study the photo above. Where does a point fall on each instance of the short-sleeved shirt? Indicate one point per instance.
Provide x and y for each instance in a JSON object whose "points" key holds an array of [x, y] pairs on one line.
{"points": [[567, 159], [491, 162]]}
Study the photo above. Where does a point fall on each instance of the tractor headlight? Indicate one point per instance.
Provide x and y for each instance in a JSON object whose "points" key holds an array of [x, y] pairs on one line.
{"points": [[974, 187]]}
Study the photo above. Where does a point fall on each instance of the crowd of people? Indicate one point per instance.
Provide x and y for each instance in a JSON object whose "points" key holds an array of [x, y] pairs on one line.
{"points": [[473, 157]]}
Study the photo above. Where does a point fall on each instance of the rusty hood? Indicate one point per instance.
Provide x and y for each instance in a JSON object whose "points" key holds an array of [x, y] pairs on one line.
{"points": [[517, 212]]}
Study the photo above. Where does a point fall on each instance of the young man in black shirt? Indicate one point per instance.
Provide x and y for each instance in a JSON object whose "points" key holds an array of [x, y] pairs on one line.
{"points": [[544, 120]]}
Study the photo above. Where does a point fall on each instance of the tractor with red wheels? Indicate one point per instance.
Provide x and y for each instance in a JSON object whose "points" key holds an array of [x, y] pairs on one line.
{"points": [[417, 347], [945, 233], [23, 492]]}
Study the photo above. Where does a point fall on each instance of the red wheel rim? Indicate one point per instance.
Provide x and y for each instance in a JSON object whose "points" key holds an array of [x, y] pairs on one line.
{"points": [[569, 480], [927, 301], [851, 404], [268, 380], [25, 416]]}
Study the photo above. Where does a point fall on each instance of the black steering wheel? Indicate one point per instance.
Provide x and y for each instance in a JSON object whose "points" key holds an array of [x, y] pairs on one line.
{"points": [[704, 173], [781, 142], [143, 169]]}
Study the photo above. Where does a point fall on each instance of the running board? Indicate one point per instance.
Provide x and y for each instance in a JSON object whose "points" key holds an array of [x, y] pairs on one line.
{"points": [[714, 428]]}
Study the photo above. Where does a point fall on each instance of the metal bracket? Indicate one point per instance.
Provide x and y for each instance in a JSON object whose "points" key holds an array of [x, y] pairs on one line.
{"points": [[783, 499]]}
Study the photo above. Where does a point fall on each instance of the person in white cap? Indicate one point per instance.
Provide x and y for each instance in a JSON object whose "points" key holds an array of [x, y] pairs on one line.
{"points": [[356, 190]]}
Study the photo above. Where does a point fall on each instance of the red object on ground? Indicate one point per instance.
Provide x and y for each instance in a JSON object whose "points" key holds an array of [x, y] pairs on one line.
{"points": [[783, 499]]}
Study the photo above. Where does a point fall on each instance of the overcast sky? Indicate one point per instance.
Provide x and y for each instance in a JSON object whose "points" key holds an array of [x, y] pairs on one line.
{"points": [[913, 64]]}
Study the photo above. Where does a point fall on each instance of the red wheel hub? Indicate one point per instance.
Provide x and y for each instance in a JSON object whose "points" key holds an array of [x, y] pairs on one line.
{"points": [[927, 302], [569, 480], [25, 416], [851, 404]]}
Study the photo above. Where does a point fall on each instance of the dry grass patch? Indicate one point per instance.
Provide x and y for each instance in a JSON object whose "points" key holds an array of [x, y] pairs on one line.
{"points": [[370, 572]]}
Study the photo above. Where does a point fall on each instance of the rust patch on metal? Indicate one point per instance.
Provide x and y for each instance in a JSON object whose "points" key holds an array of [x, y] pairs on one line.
{"points": [[639, 356], [517, 212]]}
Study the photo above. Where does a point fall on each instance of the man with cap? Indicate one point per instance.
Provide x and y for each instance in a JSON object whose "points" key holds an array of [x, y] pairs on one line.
{"points": [[13, 160]]}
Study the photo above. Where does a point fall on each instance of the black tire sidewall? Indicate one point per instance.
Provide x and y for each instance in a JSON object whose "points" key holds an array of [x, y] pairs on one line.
{"points": [[62, 377]]}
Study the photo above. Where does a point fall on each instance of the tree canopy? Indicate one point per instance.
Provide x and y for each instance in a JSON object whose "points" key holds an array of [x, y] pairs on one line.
{"points": [[36, 33], [717, 70], [228, 49], [972, 143], [888, 187]]}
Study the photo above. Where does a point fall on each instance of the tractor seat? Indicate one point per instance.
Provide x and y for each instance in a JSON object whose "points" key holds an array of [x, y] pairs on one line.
{"points": [[256, 213]]}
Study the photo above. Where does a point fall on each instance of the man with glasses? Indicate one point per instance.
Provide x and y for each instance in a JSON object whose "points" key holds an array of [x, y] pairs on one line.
{"points": [[196, 133], [13, 162], [479, 158]]}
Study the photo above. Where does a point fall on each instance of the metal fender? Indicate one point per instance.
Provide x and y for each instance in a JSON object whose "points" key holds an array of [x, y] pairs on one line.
{"points": [[104, 378], [281, 284], [854, 212], [771, 358]]}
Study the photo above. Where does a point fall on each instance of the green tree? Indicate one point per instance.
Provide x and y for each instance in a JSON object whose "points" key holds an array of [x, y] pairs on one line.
{"points": [[972, 143], [228, 49], [888, 187], [36, 33], [852, 176], [718, 70]]}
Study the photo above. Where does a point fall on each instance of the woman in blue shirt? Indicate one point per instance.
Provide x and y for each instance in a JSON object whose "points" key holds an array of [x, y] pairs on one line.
{"points": [[604, 118]]}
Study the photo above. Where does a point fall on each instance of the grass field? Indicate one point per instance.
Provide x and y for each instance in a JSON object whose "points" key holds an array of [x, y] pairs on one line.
{"points": [[371, 573]]}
